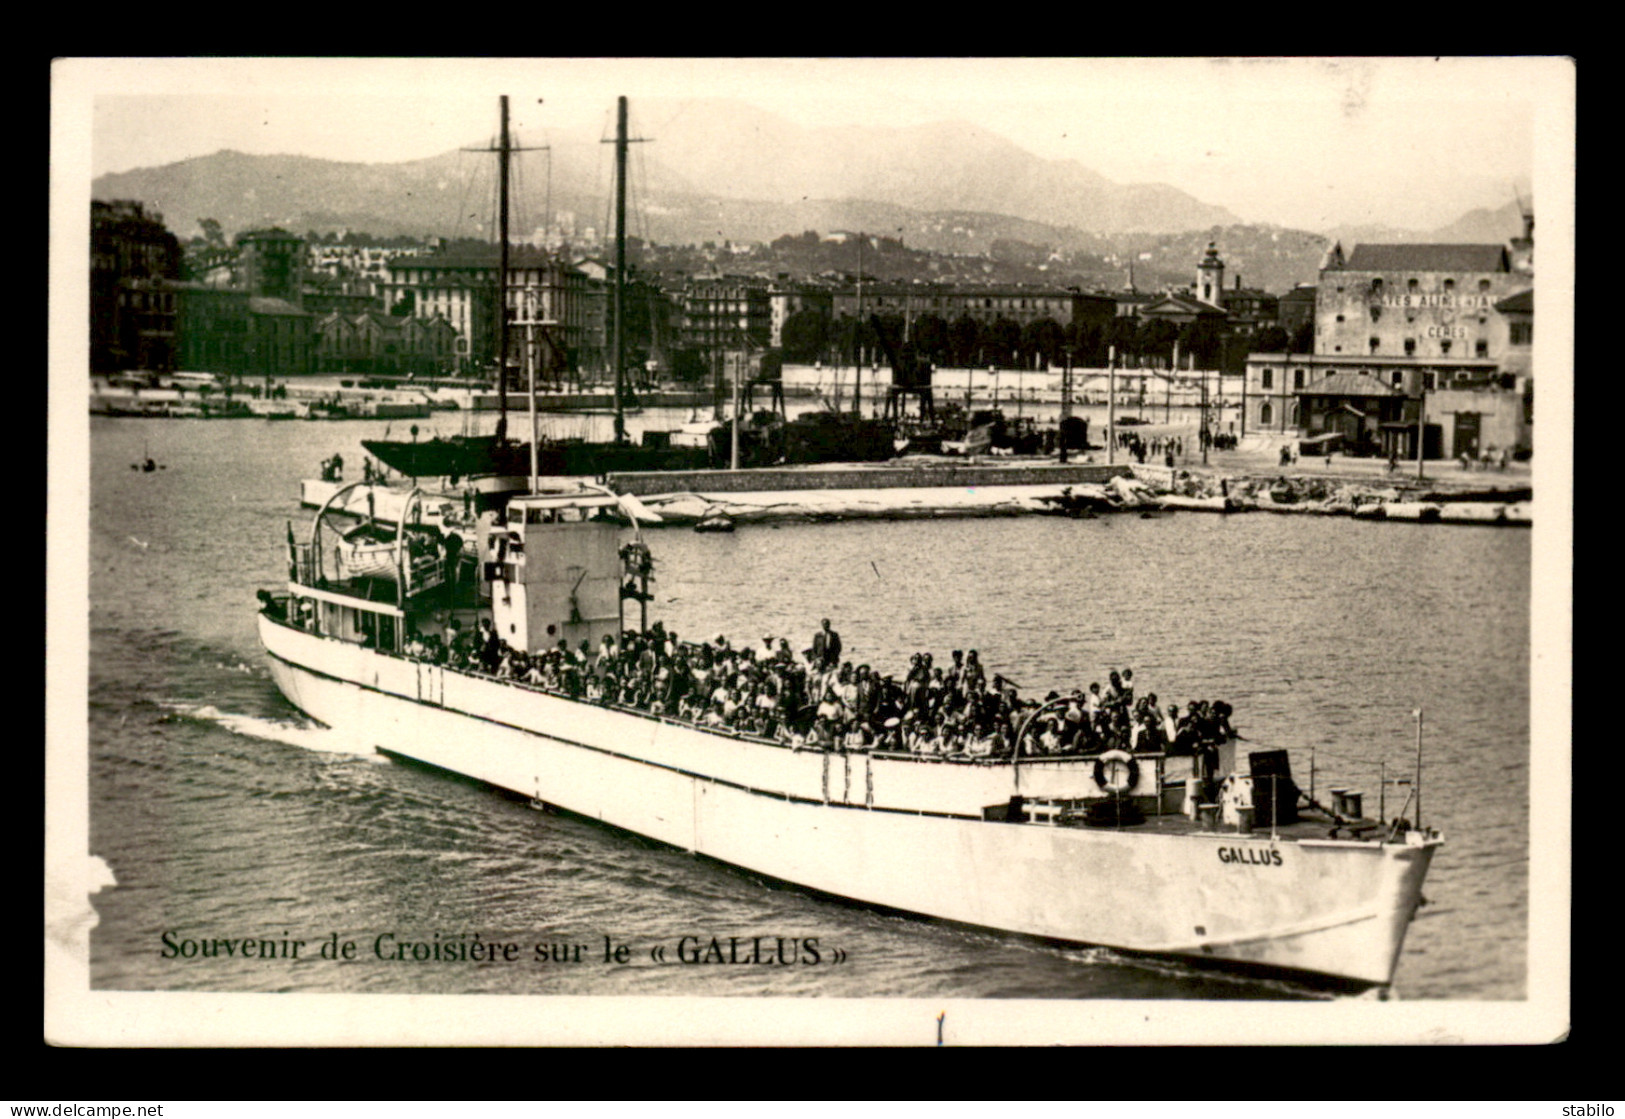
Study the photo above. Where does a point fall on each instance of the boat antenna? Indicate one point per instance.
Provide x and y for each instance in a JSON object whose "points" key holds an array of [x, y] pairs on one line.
{"points": [[1417, 791]]}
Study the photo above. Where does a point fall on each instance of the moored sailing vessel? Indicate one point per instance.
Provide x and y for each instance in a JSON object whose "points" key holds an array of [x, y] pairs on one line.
{"points": [[498, 456], [1136, 850], [818, 437]]}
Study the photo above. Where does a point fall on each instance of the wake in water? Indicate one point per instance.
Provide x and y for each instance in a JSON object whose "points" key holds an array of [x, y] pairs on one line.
{"points": [[1257, 986], [305, 734]]}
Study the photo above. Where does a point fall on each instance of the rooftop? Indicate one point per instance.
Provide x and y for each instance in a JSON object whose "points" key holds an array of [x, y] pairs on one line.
{"points": [[1350, 384], [1372, 361], [1180, 303], [265, 305], [484, 256], [1428, 258], [275, 233]]}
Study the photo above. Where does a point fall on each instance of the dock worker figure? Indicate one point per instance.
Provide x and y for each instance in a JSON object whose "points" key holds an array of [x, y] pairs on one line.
{"points": [[769, 372]]}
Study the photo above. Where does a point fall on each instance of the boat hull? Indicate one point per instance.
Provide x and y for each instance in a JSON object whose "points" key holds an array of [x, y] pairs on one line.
{"points": [[841, 824], [479, 456]]}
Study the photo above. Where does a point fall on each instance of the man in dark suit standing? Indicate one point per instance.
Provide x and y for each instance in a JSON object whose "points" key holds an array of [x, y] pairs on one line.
{"points": [[826, 649]]}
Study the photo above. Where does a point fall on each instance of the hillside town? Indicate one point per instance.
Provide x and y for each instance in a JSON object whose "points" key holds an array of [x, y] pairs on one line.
{"points": [[1390, 332]]}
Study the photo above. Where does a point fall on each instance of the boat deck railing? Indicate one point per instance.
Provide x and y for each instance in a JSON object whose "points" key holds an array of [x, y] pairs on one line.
{"points": [[722, 731], [428, 585], [1311, 823]]}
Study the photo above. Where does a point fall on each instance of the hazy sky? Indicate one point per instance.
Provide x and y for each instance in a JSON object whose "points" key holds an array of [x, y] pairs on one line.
{"points": [[1304, 143]]}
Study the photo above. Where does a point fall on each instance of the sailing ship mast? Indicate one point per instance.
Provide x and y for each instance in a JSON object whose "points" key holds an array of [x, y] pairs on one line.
{"points": [[502, 280], [617, 352], [857, 336]]}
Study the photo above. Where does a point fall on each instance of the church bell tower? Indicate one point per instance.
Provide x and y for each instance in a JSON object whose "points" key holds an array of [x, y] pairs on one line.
{"points": [[1210, 276]]}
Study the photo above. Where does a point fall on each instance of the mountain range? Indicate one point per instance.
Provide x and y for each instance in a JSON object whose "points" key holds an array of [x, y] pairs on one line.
{"points": [[710, 160], [723, 170], [1480, 226]]}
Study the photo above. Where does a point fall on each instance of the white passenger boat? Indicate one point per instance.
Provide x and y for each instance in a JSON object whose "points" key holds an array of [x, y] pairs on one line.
{"points": [[1118, 849]]}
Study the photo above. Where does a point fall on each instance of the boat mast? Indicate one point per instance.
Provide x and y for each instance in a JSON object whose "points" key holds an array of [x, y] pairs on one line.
{"points": [[1111, 404], [620, 265], [535, 437], [502, 281], [857, 344], [1066, 403]]}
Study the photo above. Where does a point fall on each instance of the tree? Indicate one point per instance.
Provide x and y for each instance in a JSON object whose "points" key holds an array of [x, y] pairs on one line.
{"points": [[1027, 347], [641, 311], [1088, 342], [1155, 338], [1303, 339], [1042, 339], [690, 367], [931, 337], [1004, 342], [843, 338], [1203, 341], [1123, 333], [212, 234], [966, 338], [868, 341], [805, 334], [892, 324], [1271, 340]]}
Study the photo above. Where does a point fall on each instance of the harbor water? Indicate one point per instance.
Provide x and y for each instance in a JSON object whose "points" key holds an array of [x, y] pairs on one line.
{"points": [[223, 813]]}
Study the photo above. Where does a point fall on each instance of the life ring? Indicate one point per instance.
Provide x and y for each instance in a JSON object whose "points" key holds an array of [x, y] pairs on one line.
{"points": [[1111, 765]]}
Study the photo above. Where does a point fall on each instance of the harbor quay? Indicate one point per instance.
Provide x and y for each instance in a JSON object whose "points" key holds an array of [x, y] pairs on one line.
{"points": [[302, 398], [1232, 482], [866, 389], [935, 475], [682, 498]]}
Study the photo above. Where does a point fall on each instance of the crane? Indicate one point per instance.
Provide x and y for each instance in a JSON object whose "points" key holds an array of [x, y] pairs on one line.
{"points": [[910, 375]]}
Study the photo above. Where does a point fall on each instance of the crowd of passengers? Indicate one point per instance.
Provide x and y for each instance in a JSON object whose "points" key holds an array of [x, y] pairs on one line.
{"points": [[818, 700]]}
